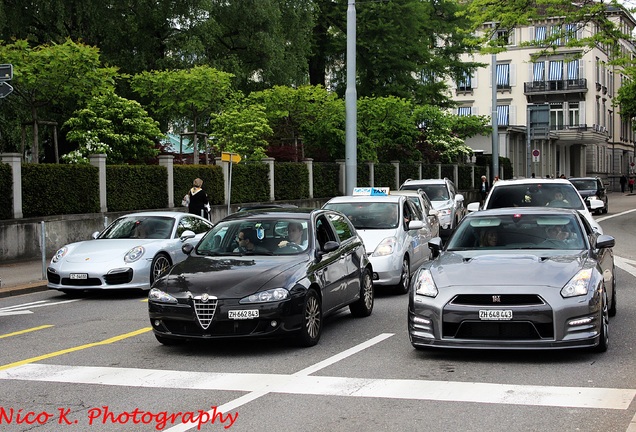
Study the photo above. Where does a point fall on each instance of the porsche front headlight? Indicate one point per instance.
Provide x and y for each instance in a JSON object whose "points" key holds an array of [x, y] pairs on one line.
{"points": [[134, 254], [59, 254], [424, 284], [578, 285], [272, 295]]}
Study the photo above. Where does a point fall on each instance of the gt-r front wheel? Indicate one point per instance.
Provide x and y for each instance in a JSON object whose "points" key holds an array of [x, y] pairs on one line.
{"points": [[312, 320], [603, 340]]}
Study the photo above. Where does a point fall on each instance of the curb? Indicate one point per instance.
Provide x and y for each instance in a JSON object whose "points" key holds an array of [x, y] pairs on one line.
{"points": [[23, 289]]}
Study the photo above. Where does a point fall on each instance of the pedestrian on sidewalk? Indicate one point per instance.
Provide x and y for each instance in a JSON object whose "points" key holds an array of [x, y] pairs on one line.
{"points": [[197, 200], [631, 184], [623, 182]]}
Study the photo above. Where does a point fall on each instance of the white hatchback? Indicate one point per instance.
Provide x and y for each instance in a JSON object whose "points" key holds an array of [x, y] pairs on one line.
{"points": [[533, 192], [395, 235]]}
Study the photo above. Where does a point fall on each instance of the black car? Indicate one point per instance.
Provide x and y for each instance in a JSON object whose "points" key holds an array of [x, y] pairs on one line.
{"points": [[274, 282], [591, 187]]}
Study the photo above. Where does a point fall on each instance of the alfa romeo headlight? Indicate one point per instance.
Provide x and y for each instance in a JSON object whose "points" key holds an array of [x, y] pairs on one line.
{"points": [[425, 285], [159, 296], [272, 295], [578, 285], [134, 254]]}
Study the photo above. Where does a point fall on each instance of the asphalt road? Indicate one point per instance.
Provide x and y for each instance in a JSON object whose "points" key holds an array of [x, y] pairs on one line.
{"points": [[93, 364]]}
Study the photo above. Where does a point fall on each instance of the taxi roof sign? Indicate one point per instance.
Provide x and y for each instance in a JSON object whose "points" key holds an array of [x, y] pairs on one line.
{"points": [[371, 191]]}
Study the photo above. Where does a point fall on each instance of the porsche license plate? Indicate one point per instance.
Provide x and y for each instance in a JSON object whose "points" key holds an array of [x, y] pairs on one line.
{"points": [[243, 314], [495, 314], [79, 275]]}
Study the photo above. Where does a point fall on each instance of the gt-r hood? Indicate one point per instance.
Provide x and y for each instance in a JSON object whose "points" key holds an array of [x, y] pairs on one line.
{"points": [[372, 237], [454, 269], [441, 204], [103, 250], [230, 277]]}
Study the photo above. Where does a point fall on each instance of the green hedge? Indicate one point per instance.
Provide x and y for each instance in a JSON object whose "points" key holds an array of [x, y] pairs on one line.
{"points": [[213, 183], [136, 187], [291, 181], [409, 171], [53, 189], [6, 191], [250, 182], [326, 178], [384, 175]]}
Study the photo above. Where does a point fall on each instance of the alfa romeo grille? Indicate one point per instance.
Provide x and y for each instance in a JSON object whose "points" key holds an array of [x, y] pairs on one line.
{"points": [[204, 307]]}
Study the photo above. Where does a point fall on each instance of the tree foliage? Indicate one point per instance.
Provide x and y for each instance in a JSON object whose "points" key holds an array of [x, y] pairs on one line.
{"points": [[122, 126], [242, 130]]}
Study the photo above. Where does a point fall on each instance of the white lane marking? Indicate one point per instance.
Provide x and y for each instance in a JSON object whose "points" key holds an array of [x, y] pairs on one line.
{"points": [[37, 304], [632, 425], [625, 264], [604, 218], [9, 313], [260, 384]]}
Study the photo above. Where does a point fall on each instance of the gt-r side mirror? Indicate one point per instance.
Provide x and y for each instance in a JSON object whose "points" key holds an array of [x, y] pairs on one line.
{"points": [[187, 248], [605, 241]]}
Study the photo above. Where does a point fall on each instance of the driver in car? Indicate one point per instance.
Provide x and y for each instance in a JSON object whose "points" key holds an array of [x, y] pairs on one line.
{"points": [[294, 236]]}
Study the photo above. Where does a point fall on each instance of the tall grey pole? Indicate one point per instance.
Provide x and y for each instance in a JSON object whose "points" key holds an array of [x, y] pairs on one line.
{"points": [[495, 120], [351, 116]]}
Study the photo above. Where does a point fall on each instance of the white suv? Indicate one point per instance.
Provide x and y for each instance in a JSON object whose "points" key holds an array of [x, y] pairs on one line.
{"points": [[531, 192], [448, 203]]}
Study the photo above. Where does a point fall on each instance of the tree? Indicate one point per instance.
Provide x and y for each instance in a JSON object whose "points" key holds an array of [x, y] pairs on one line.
{"points": [[121, 126], [438, 140], [242, 130], [56, 76], [193, 95], [308, 118]]}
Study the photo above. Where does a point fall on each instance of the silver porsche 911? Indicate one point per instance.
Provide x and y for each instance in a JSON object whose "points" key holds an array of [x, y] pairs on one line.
{"points": [[129, 254], [516, 278]]}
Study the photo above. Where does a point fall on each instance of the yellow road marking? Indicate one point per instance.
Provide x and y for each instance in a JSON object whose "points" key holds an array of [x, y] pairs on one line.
{"points": [[25, 331], [77, 348]]}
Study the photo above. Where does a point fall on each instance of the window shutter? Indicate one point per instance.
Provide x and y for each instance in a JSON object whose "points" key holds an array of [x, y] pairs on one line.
{"points": [[513, 75], [513, 115], [582, 113]]}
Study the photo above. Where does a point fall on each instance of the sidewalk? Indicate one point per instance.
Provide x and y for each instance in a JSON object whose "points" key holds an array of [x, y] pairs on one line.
{"points": [[21, 277]]}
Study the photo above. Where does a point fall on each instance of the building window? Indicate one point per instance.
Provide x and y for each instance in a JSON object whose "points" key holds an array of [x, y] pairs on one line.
{"points": [[464, 111], [465, 83], [573, 70], [540, 33], [556, 70], [503, 115], [503, 37], [556, 31], [503, 76], [538, 72], [573, 114], [556, 117], [570, 32]]}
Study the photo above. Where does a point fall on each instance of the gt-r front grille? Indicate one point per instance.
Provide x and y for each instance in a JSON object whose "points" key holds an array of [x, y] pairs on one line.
{"points": [[497, 300], [204, 307], [515, 330]]}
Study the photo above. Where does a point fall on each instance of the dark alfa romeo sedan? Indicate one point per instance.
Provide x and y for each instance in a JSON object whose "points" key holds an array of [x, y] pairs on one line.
{"points": [[264, 273]]}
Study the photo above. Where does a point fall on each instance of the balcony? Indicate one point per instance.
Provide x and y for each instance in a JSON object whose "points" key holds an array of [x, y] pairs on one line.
{"points": [[555, 90]]}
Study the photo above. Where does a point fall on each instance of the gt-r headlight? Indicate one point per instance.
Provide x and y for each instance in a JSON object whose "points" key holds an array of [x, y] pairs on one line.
{"points": [[424, 284], [134, 254], [159, 296], [276, 294], [59, 254], [386, 247], [578, 285]]}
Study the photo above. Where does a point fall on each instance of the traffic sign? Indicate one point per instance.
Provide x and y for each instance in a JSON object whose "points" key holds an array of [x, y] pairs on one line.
{"points": [[536, 153], [227, 157], [6, 72], [5, 89]]}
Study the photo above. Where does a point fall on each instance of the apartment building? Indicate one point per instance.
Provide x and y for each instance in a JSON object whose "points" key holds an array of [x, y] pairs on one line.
{"points": [[556, 113]]}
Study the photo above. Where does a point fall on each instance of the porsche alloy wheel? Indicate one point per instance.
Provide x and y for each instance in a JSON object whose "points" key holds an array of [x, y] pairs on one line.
{"points": [[364, 305], [312, 320], [159, 265]]}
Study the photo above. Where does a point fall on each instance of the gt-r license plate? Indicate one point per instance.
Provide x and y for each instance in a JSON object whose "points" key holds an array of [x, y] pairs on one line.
{"points": [[79, 275], [242, 314], [495, 314]]}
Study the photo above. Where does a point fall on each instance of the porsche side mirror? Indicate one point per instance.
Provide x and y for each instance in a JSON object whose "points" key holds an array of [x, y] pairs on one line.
{"points": [[187, 234]]}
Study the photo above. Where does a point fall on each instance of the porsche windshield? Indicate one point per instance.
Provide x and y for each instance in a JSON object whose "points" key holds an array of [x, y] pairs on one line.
{"points": [[146, 227]]}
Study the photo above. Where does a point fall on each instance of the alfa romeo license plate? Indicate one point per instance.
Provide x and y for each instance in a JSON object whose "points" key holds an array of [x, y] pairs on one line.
{"points": [[242, 314], [495, 314], [79, 276]]}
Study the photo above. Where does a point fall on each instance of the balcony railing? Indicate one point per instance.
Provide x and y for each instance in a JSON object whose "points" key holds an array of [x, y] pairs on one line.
{"points": [[555, 85]]}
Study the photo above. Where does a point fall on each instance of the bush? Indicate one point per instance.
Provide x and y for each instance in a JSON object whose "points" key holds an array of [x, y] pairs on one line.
{"points": [[6, 192], [326, 178], [291, 181], [136, 187]]}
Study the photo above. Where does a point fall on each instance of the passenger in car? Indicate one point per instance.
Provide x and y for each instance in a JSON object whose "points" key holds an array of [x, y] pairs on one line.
{"points": [[294, 236], [489, 238], [247, 242], [558, 200]]}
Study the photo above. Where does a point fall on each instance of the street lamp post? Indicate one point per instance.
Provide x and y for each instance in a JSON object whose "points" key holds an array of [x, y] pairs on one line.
{"points": [[351, 116]]}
